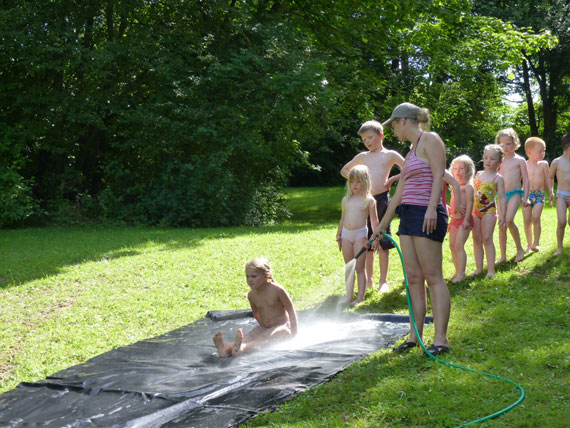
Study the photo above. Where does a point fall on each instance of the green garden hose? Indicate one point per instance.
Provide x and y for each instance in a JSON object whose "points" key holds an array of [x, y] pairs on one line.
{"points": [[445, 363]]}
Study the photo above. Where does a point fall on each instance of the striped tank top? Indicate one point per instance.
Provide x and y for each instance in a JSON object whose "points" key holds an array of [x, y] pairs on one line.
{"points": [[419, 179]]}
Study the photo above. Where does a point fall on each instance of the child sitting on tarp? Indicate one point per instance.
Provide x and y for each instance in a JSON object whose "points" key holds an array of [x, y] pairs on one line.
{"points": [[272, 308]]}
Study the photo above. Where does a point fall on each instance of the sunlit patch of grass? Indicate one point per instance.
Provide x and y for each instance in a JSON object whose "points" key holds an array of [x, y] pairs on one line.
{"points": [[70, 294]]}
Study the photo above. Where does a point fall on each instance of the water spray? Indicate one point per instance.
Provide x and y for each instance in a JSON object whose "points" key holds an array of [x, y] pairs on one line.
{"points": [[351, 266], [445, 363]]}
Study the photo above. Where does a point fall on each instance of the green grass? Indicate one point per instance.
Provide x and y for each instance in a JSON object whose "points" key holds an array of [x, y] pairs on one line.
{"points": [[70, 294]]}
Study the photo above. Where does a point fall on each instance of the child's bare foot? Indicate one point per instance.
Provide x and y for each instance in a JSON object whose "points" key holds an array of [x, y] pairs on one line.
{"points": [[458, 278], [503, 259], [535, 248], [558, 251], [476, 272], [220, 345], [520, 256], [384, 288], [345, 300], [369, 284], [237, 342], [527, 250], [490, 274], [357, 302]]}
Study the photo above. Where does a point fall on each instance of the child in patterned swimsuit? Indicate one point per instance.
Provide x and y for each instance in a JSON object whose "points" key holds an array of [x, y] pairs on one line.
{"points": [[560, 169], [462, 168], [488, 185], [538, 177]]}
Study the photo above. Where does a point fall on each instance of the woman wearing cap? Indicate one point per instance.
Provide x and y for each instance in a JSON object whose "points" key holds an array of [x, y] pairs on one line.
{"points": [[423, 222]]}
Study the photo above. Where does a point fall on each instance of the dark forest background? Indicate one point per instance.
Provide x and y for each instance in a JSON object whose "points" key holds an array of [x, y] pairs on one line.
{"points": [[198, 113]]}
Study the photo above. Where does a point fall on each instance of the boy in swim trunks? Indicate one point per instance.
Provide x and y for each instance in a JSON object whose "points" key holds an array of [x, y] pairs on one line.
{"points": [[272, 308], [560, 169], [539, 181], [379, 161], [514, 172]]}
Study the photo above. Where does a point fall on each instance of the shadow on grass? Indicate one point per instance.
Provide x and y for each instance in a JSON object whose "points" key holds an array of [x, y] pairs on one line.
{"points": [[515, 326], [30, 254]]}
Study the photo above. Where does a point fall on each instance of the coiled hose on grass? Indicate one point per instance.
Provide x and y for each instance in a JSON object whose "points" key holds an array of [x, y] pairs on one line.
{"points": [[455, 366]]}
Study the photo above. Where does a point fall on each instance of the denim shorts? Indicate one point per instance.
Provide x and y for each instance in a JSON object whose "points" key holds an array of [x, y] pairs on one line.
{"points": [[412, 220]]}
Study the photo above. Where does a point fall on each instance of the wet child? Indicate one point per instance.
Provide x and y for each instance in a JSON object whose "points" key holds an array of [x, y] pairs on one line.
{"points": [[460, 224], [487, 187], [539, 182], [379, 161], [560, 169], [272, 308], [514, 173], [352, 234]]}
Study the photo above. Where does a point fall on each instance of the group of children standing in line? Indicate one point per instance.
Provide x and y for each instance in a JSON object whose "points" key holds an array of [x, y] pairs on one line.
{"points": [[478, 200], [506, 182]]}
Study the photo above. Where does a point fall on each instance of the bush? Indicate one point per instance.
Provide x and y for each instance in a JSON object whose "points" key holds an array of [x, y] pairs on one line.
{"points": [[16, 199]]}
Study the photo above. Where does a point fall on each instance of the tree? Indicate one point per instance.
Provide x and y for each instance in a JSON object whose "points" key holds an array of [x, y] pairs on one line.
{"points": [[548, 66], [180, 113]]}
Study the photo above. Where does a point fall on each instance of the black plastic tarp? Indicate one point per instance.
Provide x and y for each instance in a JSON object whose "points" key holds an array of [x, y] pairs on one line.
{"points": [[177, 379]]}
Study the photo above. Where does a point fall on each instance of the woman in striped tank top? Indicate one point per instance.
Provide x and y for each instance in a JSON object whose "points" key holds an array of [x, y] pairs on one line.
{"points": [[423, 222]]}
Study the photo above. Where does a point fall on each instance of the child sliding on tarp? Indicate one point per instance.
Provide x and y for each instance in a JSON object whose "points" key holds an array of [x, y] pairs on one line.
{"points": [[272, 308]]}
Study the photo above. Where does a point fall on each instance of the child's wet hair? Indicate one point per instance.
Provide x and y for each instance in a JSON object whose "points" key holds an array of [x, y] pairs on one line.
{"points": [[508, 132], [495, 148], [261, 264], [467, 163]]}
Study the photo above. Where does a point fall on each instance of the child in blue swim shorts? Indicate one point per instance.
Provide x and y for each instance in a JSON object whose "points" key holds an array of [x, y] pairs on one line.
{"points": [[539, 182]]}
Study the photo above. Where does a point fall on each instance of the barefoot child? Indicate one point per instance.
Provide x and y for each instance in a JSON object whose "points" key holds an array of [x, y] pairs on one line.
{"points": [[460, 225], [379, 161], [539, 181], [352, 233], [488, 185], [560, 169], [272, 308], [514, 173]]}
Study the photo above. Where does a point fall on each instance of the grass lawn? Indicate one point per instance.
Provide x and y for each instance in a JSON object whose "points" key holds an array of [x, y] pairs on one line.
{"points": [[70, 294]]}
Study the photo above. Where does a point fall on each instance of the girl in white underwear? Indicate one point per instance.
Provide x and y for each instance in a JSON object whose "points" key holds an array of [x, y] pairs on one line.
{"points": [[351, 235]]}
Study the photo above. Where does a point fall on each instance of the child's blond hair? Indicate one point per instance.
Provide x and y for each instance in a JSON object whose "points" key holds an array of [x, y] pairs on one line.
{"points": [[362, 174], [495, 148], [467, 163], [371, 125], [262, 265], [508, 132], [534, 142]]}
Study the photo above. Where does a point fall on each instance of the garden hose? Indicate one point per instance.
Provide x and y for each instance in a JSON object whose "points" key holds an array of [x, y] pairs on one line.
{"points": [[456, 366]]}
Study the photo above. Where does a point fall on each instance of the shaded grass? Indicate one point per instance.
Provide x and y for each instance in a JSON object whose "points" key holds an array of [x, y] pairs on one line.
{"points": [[71, 294]]}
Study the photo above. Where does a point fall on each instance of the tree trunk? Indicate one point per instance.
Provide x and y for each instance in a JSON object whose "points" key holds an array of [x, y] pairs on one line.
{"points": [[529, 100]]}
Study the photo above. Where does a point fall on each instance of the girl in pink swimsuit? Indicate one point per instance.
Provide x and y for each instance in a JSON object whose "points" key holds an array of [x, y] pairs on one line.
{"points": [[462, 168]]}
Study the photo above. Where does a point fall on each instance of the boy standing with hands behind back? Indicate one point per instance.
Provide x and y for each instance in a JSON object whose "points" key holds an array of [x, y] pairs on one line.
{"points": [[539, 181], [514, 172], [379, 161]]}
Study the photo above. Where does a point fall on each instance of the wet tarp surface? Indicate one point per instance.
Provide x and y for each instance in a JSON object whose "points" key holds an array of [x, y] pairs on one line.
{"points": [[177, 379]]}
